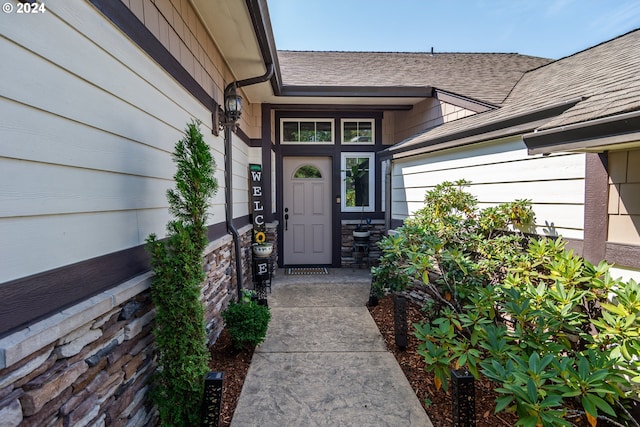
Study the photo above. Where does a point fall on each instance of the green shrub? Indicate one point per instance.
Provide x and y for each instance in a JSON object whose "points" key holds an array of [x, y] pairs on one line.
{"points": [[553, 330], [246, 322], [177, 262]]}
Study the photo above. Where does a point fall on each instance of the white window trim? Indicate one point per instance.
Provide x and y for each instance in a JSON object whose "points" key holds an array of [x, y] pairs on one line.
{"points": [[373, 131], [316, 120], [343, 183]]}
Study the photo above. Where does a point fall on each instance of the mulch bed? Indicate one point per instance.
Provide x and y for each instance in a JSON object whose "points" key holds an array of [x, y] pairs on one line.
{"points": [[439, 402], [235, 364]]}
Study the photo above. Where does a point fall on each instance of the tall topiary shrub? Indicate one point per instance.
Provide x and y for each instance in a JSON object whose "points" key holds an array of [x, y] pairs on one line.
{"points": [[176, 287]]}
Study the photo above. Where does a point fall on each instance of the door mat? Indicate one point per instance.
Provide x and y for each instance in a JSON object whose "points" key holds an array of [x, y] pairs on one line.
{"points": [[306, 271]]}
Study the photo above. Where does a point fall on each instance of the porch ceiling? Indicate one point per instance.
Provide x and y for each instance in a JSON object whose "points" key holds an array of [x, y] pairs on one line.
{"points": [[230, 25]]}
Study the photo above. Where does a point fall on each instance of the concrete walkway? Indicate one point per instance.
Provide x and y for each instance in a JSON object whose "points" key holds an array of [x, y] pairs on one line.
{"points": [[324, 362]]}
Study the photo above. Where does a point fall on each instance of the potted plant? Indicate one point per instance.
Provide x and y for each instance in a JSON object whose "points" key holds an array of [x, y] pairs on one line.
{"points": [[354, 178], [361, 233], [262, 250]]}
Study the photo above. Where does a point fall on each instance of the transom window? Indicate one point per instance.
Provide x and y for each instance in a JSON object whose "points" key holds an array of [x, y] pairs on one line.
{"points": [[358, 131], [358, 175], [306, 131]]}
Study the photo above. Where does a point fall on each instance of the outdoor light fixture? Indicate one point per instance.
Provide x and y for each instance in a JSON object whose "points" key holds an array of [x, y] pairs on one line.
{"points": [[232, 107], [463, 398]]}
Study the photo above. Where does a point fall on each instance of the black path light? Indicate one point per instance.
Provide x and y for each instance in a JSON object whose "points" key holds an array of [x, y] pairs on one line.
{"points": [[463, 398], [212, 404], [400, 321]]}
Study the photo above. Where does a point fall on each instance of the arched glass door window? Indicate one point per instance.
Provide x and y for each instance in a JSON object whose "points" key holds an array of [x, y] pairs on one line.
{"points": [[307, 172]]}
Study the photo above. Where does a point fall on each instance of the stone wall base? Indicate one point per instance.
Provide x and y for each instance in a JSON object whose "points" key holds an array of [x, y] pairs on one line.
{"points": [[91, 364]]}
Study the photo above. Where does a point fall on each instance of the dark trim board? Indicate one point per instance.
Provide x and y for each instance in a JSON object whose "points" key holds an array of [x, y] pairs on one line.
{"points": [[462, 101], [358, 91], [576, 245], [33, 298], [484, 131], [596, 196], [242, 221], [129, 23], [341, 107], [243, 136], [623, 255], [216, 231], [262, 29], [29, 299], [604, 133]]}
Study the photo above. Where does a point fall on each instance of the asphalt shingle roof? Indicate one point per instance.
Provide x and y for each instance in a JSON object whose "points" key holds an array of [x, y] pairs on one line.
{"points": [[487, 77], [606, 77]]}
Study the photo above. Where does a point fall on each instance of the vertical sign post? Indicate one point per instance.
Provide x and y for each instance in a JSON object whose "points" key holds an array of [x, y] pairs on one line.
{"points": [[261, 267], [257, 205]]}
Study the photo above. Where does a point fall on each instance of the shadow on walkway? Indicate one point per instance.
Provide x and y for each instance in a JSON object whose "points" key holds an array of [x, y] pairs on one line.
{"points": [[324, 361]]}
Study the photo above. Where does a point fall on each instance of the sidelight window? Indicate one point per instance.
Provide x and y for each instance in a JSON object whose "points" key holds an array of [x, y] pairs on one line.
{"points": [[358, 175]]}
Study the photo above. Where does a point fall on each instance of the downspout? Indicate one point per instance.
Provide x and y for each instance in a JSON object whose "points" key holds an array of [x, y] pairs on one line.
{"points": [[228, 164]]}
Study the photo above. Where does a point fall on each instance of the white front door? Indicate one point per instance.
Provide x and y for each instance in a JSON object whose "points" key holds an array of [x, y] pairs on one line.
{"points": [[307, 210]]}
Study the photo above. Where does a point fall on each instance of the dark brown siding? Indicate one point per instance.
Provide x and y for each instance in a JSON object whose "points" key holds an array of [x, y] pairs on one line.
{"points": [[595, 207], [29, 299]]}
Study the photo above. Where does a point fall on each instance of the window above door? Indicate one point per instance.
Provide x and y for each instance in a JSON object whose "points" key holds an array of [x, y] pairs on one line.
{"points": [[358, 183], [358, 131], [306, 131]]}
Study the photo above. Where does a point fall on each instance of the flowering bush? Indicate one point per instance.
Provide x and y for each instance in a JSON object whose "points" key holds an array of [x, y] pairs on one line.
{"points": [[555, 331]]}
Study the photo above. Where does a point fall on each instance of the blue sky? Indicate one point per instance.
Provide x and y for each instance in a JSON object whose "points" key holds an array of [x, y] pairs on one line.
{"points": [[547, 28]]}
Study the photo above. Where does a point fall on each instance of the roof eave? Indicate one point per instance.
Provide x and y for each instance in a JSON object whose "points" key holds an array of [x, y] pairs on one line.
{"points": [[608, 133], [358, 91], [259, 13], [514, 125]]}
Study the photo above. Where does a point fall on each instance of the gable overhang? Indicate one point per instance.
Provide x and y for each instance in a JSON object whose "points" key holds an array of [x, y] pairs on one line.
{"points": [[462, 101], [517, 124], [619, 132], [241, 31]]}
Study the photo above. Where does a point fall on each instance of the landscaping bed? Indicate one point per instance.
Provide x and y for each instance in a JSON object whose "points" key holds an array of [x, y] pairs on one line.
{"points": [[438, 403], [235, 364]]}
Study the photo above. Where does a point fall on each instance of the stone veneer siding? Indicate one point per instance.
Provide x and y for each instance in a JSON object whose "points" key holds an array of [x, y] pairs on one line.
{"points": [[378, 231], [91, 364]]}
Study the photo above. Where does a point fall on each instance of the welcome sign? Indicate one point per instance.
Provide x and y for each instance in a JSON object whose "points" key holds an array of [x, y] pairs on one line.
{"points": [[257, 205]]}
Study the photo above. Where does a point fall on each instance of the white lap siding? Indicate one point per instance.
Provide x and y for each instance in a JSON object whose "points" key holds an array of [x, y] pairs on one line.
{"points": [[499, 171], [240, 157], [87, 128]]}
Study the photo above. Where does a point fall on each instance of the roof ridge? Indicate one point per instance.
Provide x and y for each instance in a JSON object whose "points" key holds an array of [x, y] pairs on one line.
{"points": [[593, 47], [408, 52]]}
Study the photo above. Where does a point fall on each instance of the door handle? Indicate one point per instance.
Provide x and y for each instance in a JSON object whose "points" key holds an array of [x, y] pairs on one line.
{"points": [[286, 219]]}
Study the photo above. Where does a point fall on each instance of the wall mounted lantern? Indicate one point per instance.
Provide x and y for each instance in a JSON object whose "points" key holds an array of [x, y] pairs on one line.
{"points": [[232, 108]]}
